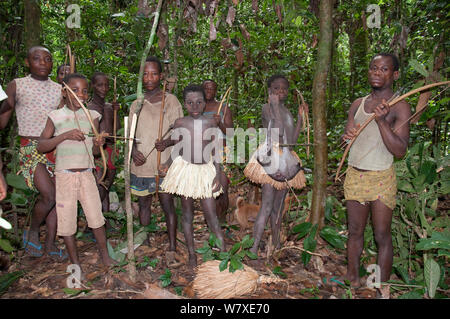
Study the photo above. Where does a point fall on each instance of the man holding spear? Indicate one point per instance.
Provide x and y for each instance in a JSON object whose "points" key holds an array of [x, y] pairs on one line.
{"points": [[158, 113]]}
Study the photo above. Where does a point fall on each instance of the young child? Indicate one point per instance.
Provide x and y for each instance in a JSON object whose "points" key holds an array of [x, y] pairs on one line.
{"points": [[61, 72], [194, 174], [274, 192], [224, 120], [33, 97], [66, 130], [100, 87], [143, 167], [370, 183]]}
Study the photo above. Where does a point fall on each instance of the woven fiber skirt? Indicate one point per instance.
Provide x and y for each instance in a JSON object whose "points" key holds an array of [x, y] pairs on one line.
{"points": [[256, 173], [190, 180]]}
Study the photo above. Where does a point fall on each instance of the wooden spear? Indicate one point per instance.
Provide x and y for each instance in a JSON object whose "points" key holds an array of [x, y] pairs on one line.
{"points": [[129, 145], [115, 121], [160, 128]]}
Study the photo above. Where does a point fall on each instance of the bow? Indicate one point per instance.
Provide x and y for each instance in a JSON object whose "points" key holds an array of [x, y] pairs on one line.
{"points": [[370, 119], [305, 123], [115, 121], [94, 130], [161, 119]]}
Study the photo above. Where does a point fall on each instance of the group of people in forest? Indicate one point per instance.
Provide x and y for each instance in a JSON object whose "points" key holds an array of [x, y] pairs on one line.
{"points": [[58, 156]]}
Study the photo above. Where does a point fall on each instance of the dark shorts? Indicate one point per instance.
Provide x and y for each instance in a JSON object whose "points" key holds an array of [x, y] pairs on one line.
{"points": [[143, 186]]}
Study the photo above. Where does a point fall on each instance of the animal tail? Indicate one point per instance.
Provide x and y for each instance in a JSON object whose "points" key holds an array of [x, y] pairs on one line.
{"points": [[239, 202]]}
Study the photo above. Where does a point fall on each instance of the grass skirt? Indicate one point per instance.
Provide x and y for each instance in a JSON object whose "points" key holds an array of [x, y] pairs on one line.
{"points": [[256, 173], [190, 180]]}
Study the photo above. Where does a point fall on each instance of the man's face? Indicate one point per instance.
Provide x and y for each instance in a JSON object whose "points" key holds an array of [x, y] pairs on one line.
{"points": [[210, 89], [40, 62], [152, 77], [381, 72], [194, 104], [101, 86]]}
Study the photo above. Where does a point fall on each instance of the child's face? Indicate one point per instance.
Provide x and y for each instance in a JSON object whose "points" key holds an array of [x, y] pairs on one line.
{"points": [[152, 77], [101, 86], [210, 90], [80, 88], [63, 71], [194, 104], [40, 63], [381, 72], [279, 87]]}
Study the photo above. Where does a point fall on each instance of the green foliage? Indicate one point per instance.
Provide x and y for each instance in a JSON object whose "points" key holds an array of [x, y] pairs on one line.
{"points": [[119, 252], [309, 244], [423, 246], [279, 272], [8, 279], [75, 292], [166, 278], [148, 263], [231, 259], [333, 237], [432, 274]]}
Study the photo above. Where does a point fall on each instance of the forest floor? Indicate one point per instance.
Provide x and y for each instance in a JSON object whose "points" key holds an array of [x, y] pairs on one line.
{"points": [[46, 278]]}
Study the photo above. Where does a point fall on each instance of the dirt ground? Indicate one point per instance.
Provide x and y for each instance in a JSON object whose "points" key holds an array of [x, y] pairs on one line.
{"points": [[46, 278]]}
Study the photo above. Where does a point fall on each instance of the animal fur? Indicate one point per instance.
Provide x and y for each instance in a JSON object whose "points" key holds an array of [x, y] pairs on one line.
{"points": [[245, 213]]}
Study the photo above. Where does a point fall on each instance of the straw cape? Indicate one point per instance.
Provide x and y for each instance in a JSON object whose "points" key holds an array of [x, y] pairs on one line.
{"points": [[256, 173], [211, 283], [190, 180]]}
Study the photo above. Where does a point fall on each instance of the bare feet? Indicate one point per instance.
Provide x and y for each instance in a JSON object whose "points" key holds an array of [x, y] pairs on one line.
{"points": [[192, 261]]}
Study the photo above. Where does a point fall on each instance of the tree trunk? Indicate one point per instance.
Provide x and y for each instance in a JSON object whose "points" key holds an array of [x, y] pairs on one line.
{"points": [[32, 23], [319, 112]]}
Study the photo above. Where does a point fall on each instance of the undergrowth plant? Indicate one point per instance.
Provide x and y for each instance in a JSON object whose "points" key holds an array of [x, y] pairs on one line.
{"points": [[231, 259]]}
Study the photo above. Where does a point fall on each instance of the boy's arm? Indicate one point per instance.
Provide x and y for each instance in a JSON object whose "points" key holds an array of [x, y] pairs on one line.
{"points": [[97, 142], [170, 141], [48, 142], [227, 120], [8, 105], [395, 136], [108, 120], [303, 108], [164, 167]]}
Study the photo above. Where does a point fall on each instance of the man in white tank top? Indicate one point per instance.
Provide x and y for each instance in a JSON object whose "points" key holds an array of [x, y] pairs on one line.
{"points": [[370, 184]]}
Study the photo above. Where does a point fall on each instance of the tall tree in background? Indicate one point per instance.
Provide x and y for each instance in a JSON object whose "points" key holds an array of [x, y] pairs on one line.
{"points": [[358, 47], [319, 106], [32, 23]]}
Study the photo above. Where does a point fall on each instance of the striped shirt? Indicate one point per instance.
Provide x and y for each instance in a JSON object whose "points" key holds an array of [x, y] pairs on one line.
{"points": [[72, 154]]}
